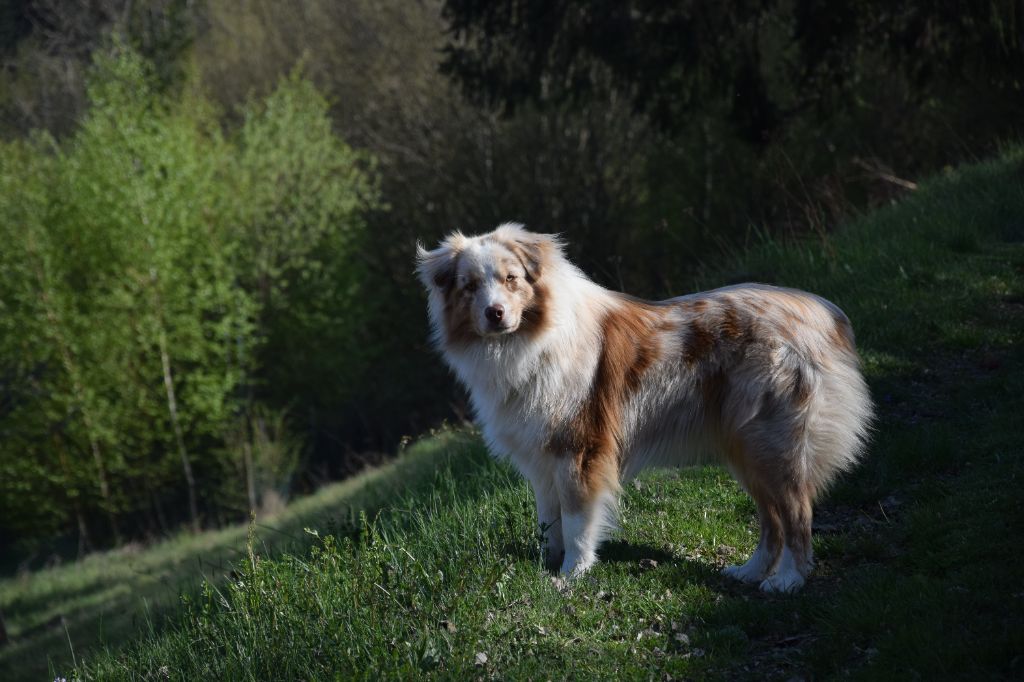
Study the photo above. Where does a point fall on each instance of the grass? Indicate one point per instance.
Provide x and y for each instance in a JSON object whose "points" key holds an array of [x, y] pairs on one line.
{"points": [[111, 596], [918, 550]]}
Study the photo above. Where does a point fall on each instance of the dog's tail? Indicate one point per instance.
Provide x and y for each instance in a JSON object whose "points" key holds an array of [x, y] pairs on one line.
{"points": [[838, 421]]}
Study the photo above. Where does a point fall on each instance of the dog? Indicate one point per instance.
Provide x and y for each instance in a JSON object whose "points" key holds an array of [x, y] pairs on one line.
{"points": [[582, 387]]}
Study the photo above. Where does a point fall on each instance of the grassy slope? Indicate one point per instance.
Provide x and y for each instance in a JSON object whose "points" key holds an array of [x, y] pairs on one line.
{"points": [[918, 551], [112, 596]]}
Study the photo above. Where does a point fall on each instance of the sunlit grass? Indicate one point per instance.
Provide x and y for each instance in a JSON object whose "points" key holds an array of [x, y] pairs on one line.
{"points": [[110, 596]]}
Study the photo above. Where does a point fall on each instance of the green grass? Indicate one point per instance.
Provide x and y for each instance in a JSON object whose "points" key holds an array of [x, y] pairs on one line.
{"points": [[112, 596], [918, 550]]}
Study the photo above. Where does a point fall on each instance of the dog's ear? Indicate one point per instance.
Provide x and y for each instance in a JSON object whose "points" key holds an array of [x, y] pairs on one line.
{"points": [[536, 251], [436, 269]]}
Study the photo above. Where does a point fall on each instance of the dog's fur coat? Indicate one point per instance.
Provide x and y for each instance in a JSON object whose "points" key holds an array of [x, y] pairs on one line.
{"points": [[583, 387]]}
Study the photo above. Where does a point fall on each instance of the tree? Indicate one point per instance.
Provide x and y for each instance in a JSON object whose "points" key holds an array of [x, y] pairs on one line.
{"points": [[47, 48], [766, 60], [151, 259], [46, 397]]}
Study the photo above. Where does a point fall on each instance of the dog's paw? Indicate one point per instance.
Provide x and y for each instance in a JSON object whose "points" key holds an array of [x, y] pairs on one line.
{"points": [[574, 569], [783, 582], [745, 573]]}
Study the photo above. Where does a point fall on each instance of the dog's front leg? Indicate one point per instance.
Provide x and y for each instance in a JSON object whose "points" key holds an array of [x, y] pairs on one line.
{"points": [[588, 511], [549, 520]]}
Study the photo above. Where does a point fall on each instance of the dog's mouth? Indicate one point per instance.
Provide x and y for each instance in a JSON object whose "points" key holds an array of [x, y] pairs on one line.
{"points": [[500, 328]]}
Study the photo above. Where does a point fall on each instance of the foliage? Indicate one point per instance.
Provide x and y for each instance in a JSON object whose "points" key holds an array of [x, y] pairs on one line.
{"points": [[301, 221], [266, 455], [47, 48], [784, 117], [767, 60], [149, 257]]}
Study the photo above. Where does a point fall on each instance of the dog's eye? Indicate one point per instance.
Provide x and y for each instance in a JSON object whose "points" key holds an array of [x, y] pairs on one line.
{"points": [[510, 278], [471, 286]]}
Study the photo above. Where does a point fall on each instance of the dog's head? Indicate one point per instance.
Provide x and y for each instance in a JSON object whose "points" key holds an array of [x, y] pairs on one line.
{"points": [[490, 285]]}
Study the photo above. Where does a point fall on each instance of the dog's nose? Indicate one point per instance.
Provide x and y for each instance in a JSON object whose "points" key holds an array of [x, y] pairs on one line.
{"points": [[494, 312]]}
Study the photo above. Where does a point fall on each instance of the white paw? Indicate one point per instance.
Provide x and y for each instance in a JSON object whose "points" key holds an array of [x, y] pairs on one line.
{"points": [[575, 567], [745, 573], [754, 571], [783, 582]]}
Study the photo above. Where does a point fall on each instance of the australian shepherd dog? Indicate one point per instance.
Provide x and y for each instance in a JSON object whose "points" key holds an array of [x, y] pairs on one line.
{"points": [[582, 387]]}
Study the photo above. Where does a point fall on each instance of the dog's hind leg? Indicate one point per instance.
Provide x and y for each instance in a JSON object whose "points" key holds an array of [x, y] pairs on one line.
{"points": [[761, 562], [751, 472], [795, 562], [767, 457]]}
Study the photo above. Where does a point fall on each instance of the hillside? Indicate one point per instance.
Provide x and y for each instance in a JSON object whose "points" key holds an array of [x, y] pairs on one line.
{"points": [[443, 577], [109, 597]]}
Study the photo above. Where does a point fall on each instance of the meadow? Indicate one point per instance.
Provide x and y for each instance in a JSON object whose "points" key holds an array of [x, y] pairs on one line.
{"points": [[430, 566]]}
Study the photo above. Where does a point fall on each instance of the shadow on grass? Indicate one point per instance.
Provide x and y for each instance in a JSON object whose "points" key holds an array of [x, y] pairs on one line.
{"points": [[621, 551], [673, 571]]}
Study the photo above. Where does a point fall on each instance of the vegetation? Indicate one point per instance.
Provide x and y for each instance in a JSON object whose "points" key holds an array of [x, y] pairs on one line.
{"points": [[153, 265], [108, 598], [762, 65], [911, 548]]}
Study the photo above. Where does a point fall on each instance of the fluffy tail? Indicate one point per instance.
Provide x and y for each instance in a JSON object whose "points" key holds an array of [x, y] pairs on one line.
{"points": [[838, 423]]}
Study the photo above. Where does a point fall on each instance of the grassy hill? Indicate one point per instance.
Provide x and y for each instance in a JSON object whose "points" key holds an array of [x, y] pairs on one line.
{"points": [[57, 615], [918, 551]]}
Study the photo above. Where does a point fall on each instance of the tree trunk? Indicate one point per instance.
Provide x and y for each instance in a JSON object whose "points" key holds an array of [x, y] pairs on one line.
{"points": [[94, 444], [161, 518], [709, 178], [172, 409], [84, 544], [250, 475], [83, 533]]}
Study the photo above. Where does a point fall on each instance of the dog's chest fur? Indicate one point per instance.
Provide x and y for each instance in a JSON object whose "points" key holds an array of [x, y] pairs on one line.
{"points": [[522, 392]]}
